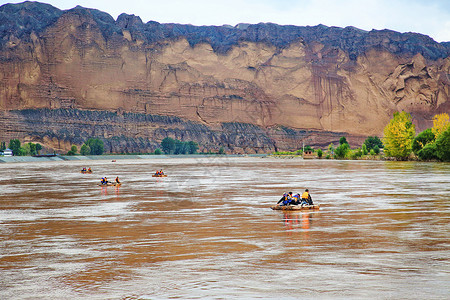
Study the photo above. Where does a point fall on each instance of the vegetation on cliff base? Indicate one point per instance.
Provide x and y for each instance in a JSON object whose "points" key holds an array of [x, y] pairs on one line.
{"points": [[443, 145], [373, 142], [434, 143], [19, 150], [399, 135], [173, 146], [96, 145], [73, 150]]}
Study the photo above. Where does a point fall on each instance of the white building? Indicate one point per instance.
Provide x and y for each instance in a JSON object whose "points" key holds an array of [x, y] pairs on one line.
{"points": [[7, 152]]}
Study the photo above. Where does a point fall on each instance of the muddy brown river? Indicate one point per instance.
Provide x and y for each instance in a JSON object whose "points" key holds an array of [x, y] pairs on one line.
{"points": [[207, 232]]}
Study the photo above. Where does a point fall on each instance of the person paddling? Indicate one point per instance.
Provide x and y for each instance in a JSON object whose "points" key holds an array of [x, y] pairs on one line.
{"points": [[282, 199]]}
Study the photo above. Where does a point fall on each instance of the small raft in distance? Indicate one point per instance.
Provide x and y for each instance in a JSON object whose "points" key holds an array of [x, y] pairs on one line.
{"points": [[154, 175], [110, 184], [296, 207]]}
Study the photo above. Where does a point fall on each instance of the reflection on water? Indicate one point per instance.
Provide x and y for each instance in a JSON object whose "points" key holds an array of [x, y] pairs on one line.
{"points": [[206, 231]]}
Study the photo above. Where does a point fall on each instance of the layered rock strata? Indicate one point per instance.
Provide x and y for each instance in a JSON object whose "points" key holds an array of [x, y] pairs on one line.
{"points": [[244, 87]]}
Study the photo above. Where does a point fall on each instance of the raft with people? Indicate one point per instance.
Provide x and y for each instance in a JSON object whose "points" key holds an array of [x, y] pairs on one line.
{"points": [[290, 201], [104, 182], [110, 184], [86, 171], [296, 207], [159, 173]]}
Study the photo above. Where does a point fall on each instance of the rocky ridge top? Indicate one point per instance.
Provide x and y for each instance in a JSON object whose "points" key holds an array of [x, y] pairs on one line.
{"points": [[20, 20]]}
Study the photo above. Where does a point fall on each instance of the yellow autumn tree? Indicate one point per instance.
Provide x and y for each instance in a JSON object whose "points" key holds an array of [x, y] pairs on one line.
{"points": [[440, 124], [399, 135]]}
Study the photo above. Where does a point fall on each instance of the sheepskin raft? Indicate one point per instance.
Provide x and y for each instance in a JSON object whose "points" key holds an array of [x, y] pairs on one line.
{"points": [[295, 207]]}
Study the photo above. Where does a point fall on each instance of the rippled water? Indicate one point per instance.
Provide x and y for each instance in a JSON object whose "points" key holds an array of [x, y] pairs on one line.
{"points": [[207, 231]]}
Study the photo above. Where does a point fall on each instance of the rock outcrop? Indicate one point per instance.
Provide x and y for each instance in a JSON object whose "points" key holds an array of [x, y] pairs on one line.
{"points": [[249, 88]]}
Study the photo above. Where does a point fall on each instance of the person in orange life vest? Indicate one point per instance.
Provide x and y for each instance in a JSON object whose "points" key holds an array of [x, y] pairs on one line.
{"points": [[306, 197]]}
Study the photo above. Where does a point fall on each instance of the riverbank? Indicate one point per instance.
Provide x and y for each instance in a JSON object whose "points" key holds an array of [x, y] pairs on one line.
{"points": [[18, 159]]}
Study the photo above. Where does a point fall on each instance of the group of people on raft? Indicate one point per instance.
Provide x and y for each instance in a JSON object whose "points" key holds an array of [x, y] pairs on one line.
{"points": [[297, 199], [104, 180], [88, 170], [159, 173]]}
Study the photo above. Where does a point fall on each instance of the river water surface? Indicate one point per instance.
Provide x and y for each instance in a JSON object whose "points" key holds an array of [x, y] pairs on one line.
{"points": [[206, 231]]}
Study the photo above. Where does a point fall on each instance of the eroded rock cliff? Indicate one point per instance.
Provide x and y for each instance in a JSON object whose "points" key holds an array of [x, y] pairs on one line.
{"points": [[249, 88]]}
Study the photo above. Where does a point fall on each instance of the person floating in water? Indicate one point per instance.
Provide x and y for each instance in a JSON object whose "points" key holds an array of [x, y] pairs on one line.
{"points": [[83, 170], [104, 180], [306, 197], [117, 180], [89, 170]]}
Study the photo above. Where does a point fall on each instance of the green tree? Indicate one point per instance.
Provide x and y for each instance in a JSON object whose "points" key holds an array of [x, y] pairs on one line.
{"points": [[85, 150], [14, 145], [443, 145], [33, 150], [364, 150], [96, 145], [221, 150], [168, 145], [158, 151], [25, 149], [376, 150], [180, 147], [2, 146], [192, 147], [399, 135], [342, 150], [38, 148], [343, 140], [428, 152], [372, 141], [319, 153], [73, 150], [422, 139]]}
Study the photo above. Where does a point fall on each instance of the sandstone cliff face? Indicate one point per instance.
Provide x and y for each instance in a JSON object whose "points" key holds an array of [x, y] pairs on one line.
{"points": [[321, 81]]}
